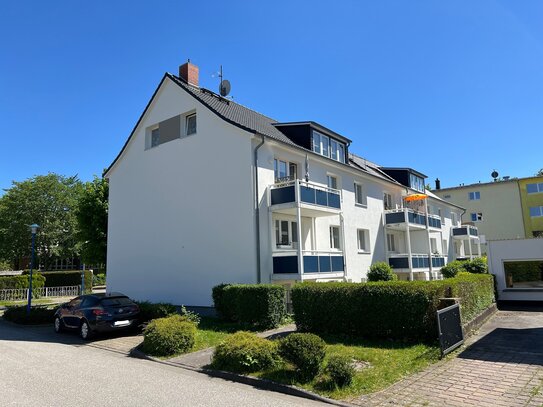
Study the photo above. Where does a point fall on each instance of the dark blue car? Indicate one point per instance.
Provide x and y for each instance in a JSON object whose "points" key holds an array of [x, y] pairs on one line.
{"points": [[94, 313]]}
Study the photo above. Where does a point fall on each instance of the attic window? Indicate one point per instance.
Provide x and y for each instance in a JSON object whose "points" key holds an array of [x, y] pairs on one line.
{"points": [[190, 125], [328, 147], [155, 137]]}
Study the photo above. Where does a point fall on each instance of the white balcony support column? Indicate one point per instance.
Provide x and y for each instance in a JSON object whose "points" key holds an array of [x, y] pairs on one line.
{"points": [[478, 247], [299, 229], [469, 248], [428, 239], [408, 243], [342, 228]]}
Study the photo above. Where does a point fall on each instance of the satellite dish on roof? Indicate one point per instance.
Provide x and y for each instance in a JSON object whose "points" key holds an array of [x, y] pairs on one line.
{"points": [[224, 87]]}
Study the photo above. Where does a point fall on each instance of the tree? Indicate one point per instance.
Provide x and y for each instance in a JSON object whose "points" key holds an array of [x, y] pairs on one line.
{"points": [[92, 221], [48, 200], [540, 173]]}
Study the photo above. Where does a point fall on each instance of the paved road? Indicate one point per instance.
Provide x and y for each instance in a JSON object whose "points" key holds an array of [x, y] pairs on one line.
{"points": [[502, 367], [38, 368]]}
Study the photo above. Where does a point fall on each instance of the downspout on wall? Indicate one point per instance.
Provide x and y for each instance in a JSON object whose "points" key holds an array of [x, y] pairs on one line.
{"points": [[257, 210]]}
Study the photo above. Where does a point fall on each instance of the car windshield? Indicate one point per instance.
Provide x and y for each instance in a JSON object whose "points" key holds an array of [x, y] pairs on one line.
{"points": [[117, 301]]}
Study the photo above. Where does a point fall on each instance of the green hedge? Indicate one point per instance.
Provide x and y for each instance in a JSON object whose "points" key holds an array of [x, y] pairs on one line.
{"points": [[393, 309], [38, 315], [67, 278], [7, 282], [261, 305]]}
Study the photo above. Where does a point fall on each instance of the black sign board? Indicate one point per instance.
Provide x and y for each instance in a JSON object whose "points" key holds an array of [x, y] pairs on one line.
{"points": [[450, 329]]}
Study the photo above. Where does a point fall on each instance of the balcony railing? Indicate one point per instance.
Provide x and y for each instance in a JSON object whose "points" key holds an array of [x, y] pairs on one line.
{"points": [[465, 231], [418, 261], [313, 261], [393, 216], [291, 191]]}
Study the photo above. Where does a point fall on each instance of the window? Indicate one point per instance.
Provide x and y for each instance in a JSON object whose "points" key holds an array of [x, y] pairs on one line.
{"points": [[534, 188], [454, 218], [332, 181], [444, 247], [334, 238], [416, 182], [536, 211], [155, 137], [328, 147], [391, 243], [477, 217], [447, 196], [190, 124], [363, 236], [433, 245], [387, 200], [440, 214], [284, 170], [523, 274], [360, 197], [286, 233], [474, 196]]}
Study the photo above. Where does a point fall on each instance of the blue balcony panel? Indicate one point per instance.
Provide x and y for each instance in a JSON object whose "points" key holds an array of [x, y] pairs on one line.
{"points": [[283, 195]]}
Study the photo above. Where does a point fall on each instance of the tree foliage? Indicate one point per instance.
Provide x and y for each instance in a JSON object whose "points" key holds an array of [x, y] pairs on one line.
{"points": [[92, 221], [540, 173], [48, 200]]}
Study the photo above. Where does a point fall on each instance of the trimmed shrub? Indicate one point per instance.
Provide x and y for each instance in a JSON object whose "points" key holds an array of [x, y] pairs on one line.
{"points": [[67, 278], [5, 265], [305, 351], [7, 282], [260, 305], [38, 315], [98, 279], [340, 370], [477, 266], [381, 271], [245, 352], [451, 269], [150, 311], [394, 309], [169, 336]]}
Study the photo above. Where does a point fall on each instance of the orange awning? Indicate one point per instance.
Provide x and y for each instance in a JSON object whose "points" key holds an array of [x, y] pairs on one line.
{"points": [[415, 197]]}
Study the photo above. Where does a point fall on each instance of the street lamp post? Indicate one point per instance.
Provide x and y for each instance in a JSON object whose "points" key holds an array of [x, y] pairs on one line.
{"points": [[34, 229]]}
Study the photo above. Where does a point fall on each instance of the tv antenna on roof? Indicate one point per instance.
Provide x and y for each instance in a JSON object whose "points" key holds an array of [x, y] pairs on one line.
{"points": [[224, 86]]}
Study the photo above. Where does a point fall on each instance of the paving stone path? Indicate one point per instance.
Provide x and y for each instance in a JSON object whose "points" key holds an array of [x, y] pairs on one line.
{"points": [[502, 366]]}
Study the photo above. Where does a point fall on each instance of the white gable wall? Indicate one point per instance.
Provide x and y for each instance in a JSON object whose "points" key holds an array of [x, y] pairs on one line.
{"points": [[181, 214]]}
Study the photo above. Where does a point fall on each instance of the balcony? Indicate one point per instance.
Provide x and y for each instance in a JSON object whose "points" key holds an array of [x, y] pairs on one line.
{"points": [[306, 193], [418, 261], [465, 232], [316, 263], [400, 218]]}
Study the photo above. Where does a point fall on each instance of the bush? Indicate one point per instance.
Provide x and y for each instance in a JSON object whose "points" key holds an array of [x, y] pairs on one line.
{"points": [[245, 352], [477, 266], [169, 336], [341, 370], [7, 282], [394, 309], [190, 316], [260, 305], [5, 265], [38, 315], [451, 269], [381, 271], [98, 279], [67, 278], [150, 311], [305, 351]]}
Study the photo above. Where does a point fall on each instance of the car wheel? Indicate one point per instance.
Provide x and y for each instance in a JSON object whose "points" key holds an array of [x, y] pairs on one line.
{"points": [[59, 325], [84, 330]]}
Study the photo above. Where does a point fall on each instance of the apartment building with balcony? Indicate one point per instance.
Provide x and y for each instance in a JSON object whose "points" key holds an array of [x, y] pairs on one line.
{"points": [[207, 191]]}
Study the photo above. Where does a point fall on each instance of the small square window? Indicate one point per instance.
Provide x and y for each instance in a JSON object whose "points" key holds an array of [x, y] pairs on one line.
{"points": [[332, 181], [191, 124], [363, 236], [474, 196], [477, 217], [155, 137], [536, 211]]}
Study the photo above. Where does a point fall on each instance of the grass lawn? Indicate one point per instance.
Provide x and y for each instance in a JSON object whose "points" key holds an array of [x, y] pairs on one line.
{"points": [[389, 361], [40, 301], [212, 331]]}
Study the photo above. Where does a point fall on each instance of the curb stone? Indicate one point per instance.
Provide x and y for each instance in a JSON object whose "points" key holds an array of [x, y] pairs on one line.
{"points": [[250, 380]]}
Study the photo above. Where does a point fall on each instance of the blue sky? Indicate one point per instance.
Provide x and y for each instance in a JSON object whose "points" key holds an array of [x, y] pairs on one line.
{"points": [[453, 89]]}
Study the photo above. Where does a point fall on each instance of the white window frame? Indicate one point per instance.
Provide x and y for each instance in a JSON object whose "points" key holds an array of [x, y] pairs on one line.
{"points": [[360, 198], [539, 209], [329, 177], [187, 117], [332, 242], [474, 195], [388, 200], [444, 247], [365, 233], [433, 245], [391, 243], [477, 218], [292, 233]]}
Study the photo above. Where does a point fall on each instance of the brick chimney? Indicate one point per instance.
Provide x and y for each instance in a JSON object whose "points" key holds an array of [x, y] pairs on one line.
{"points": [[189, 73], [438, 183]]}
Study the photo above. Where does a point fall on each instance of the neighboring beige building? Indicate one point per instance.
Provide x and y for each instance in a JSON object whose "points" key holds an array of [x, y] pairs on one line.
{"points": [[494, 207]]}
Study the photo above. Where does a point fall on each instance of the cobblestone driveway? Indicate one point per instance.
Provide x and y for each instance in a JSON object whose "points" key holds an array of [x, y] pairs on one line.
{"points": [[502, 367]]}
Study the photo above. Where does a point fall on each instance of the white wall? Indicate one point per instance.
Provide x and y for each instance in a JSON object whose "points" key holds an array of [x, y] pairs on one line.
{"points": [[514, 250], [181, 214]]}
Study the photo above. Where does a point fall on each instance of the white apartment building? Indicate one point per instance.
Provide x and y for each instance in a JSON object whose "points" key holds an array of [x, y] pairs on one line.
{"points": [[207, 191]]}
